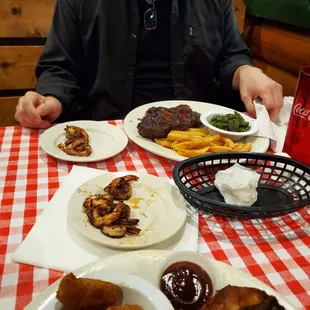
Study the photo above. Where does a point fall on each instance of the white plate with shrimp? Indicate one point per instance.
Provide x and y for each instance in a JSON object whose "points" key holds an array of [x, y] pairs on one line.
{"points": [[158, 205], [149, 265], [105, 140]]}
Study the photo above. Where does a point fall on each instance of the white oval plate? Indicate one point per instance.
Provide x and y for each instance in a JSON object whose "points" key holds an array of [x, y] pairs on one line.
{"points": [[155, 202], [148, 265], [260, 145], [106, 140]]}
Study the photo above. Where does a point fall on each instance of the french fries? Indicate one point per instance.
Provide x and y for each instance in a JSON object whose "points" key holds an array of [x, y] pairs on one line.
{"points": [[195, 144], [192, 153], [198, 141], [164, 142], [180, 136]]}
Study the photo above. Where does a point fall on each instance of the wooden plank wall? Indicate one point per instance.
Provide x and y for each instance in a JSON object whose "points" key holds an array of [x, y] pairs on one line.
{"points": [[240, 10], [279, 50], [24, 25]]}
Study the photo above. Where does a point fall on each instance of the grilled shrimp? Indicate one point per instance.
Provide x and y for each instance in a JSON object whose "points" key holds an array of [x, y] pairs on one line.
{"points": [[69, 141], [96, 215], [73, 152], [125, 212], [74, 131], [133, 230], [96, 200], [114, 231], [113, 216], [120, 188], [77, 143], [127, 222], [74, 144]]}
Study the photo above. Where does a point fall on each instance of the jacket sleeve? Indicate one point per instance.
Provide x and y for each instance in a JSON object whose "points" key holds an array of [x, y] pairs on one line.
{"points": [[59, 66], [234, 53]]}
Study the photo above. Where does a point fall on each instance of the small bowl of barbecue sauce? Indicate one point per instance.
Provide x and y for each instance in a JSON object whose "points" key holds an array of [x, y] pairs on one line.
{"points": [[187, 280]]}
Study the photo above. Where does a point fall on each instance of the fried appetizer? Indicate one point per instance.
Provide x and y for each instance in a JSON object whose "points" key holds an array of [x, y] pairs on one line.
{"points": [[242, 298], [87, 294], [120, 188], [126, 307], [77, 143]]}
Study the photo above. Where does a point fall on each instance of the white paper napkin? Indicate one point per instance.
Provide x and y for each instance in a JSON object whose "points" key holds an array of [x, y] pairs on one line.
{"points": [[54, 243], [275, 132]]}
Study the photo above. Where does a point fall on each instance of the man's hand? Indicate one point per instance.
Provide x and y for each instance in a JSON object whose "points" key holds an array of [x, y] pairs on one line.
{"points": [[253, 83], [36, 111]]}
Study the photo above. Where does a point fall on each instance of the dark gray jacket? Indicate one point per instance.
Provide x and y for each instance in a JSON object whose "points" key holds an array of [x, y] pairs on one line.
{"points": [[90, 55]]}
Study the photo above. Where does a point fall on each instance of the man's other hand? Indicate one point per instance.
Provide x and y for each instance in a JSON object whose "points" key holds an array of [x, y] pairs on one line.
{"points": [[36, 111], [253, 83]]}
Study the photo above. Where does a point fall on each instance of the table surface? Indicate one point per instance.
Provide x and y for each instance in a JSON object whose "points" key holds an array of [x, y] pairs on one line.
{"points": [[274, 251]]}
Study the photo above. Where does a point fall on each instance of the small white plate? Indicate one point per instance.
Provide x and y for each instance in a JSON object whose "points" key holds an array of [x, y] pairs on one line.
{"points": [[136, 291], [148, 265], [106, 140], [234, 136], [259, 144], [155, 202]]}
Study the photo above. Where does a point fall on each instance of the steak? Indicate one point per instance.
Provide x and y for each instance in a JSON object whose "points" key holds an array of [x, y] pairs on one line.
{"points": [[159, 121]]}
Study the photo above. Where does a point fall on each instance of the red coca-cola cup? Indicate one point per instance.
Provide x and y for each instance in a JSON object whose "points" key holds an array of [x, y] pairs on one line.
{"points": [[297, 141]]}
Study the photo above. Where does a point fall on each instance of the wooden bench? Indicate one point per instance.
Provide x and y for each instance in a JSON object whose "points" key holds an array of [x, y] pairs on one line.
{"points": [[24, 25]]}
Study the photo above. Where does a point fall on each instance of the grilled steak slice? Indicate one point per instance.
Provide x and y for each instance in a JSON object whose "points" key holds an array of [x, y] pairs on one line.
{"points": [[187, 117], [159, 121]]}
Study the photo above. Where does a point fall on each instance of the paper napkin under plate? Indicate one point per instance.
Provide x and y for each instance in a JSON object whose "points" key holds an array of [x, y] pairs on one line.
{"points": [[54, 243], [275, 132]]}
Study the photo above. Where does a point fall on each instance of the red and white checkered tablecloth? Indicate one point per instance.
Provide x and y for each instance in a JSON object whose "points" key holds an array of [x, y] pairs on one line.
{"points": [[277, 253]]}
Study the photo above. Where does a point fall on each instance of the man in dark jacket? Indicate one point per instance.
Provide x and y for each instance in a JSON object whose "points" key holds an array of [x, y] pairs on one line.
{"points": [[103, 58]]}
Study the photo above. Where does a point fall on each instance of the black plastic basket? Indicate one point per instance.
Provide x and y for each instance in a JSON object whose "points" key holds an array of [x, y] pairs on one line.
{"points": [[284, 185]]}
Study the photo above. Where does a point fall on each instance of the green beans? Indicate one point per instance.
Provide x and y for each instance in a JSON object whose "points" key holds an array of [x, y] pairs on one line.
{"points": [[230, 122]]}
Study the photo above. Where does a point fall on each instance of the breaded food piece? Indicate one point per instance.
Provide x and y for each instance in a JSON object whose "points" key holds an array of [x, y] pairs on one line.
{"points": [[87, 294], [126, 307], [242, 298]]}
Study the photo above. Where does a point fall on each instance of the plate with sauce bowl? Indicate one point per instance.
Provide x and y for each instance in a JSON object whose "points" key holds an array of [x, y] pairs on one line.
{"points": [[188, 280], [150, 266]]}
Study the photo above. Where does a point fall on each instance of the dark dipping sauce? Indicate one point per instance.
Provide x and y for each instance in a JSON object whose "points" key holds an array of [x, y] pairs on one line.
{"points": [[186, 285]]}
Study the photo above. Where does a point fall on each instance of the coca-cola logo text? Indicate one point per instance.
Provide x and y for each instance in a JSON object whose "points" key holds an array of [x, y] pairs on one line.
{"points": [[301, 112]]}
